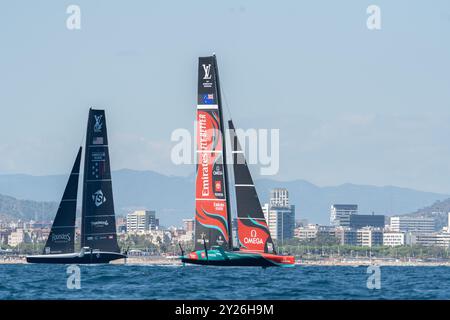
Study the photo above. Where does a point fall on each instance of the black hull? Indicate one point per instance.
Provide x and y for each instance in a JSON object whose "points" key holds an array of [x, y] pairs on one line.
{"points": [[87, 258], [243, 262]]}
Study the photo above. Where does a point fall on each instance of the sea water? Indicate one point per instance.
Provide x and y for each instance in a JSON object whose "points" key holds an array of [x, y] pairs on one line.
{"points": [[33, 281]]}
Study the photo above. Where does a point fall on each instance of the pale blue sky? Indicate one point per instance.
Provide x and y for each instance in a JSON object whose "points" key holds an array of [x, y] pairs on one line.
{"points": [[353, 105]]}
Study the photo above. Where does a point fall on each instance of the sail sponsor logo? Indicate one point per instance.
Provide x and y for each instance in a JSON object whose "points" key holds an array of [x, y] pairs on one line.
{"points": [[208, 98], [218, 186], [97, 140], [204, 161], [98, 156], [62, 237], [98, 123], [98, 198], [218, 171], [219, 206], [253, 239], [219, 241], [100, 223], [207, 71], [193, 255]]}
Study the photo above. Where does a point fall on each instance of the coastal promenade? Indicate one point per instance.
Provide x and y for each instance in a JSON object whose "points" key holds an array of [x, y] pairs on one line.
{"points": [[352, 262]]}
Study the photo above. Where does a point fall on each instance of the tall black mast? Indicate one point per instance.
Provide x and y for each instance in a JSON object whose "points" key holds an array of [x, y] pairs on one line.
{"points": [[225, 167]]}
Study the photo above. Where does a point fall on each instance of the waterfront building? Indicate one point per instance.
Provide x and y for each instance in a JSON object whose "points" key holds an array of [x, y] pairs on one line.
{"points": [[40, 225], [438, 239], [358, 221], [16, 237], [340, 214], [326, 231], [301, 222], [393, 239], [121, 224], [188, 236], [369, 237], [4, 235], [306, 233], [280, 215], [346, 236], [142, 221], [364, 237], [189, 225], [159, 237], [412, 224]]}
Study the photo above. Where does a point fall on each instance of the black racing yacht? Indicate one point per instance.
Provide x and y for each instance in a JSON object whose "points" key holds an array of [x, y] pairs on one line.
{"points": [[98, 223]]}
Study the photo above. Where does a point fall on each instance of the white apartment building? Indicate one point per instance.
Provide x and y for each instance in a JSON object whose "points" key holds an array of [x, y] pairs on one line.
{"points": [[16, 237], [369, 237], [439, 239], [412, 224], [141, 221], [393, 239]]}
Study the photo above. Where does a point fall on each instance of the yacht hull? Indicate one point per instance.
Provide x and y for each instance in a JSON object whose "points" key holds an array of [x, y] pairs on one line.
{"points": [[238, 259], [77, 258]]}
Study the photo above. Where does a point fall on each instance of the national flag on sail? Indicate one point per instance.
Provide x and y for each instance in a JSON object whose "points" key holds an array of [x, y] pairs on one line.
{"points": [[208, 98], [97, 140]]}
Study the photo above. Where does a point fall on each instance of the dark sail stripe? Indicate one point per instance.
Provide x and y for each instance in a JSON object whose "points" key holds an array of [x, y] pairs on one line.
{"points": [[98, 230], [253, 232], [62, 234]]}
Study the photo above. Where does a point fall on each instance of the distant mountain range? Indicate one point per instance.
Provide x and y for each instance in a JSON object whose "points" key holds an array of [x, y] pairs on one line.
{"points": [[11, 208], [173, 197]]}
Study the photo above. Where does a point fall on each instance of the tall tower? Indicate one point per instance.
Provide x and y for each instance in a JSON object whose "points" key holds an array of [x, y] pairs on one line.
{"points": [[280, 215]]}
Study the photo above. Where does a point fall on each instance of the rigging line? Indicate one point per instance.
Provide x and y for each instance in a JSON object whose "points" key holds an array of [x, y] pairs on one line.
{"points": [[83, 137], [225, 100]]}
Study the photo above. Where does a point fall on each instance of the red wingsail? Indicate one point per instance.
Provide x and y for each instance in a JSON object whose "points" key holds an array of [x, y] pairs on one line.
{"points": [[211, 210]]}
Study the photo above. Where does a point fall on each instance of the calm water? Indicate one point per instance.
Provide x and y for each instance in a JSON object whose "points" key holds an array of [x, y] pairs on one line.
{"points": [[195, 282]]}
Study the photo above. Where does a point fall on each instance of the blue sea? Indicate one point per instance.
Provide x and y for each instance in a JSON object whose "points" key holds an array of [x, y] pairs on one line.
{"points": [[23, 281]]}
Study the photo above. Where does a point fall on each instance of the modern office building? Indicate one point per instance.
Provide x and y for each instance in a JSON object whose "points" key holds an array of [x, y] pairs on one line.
{"points": [[358, 221], [142, 221], [340, 214], [412, 224], [393, 239], [280, 215]]}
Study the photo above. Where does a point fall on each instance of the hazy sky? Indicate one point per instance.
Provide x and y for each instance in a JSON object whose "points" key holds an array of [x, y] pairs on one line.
{"points": [[353, 105]]}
